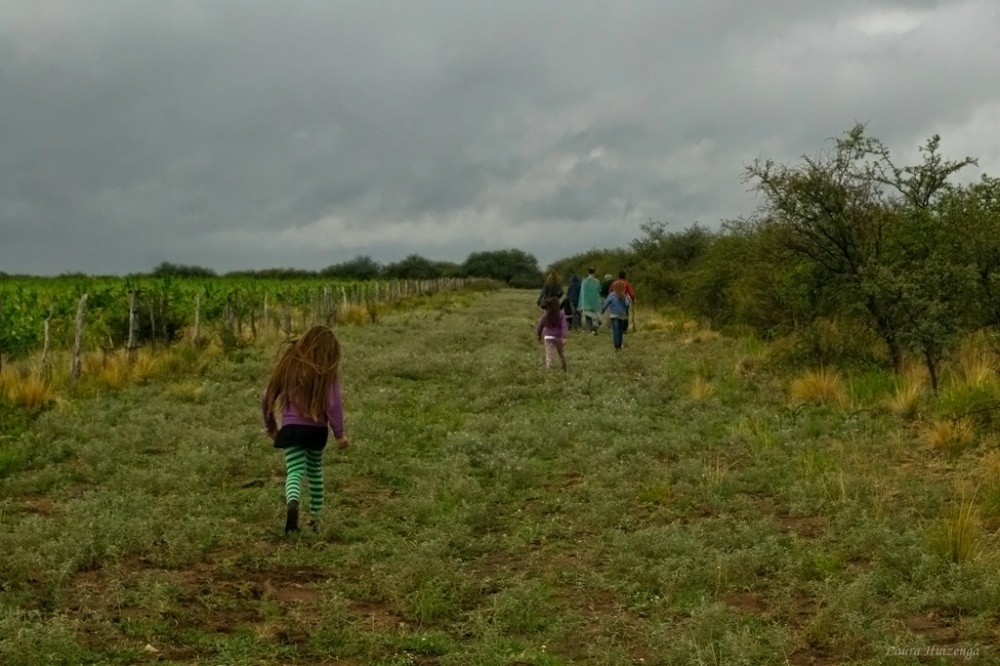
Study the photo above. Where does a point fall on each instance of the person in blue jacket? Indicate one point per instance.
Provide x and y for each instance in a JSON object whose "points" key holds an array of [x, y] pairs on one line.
{"points": [[617, 303]]}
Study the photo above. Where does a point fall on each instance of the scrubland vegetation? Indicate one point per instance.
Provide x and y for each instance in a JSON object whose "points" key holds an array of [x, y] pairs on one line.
{"points": [[794, 461]]}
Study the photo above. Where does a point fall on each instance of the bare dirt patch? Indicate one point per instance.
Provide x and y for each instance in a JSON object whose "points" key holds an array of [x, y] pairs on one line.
{"points": [[199, 597], [751, 603], [811, 656], [365, 492], [936, 629], [806, 527], [377, 616], [40, 505]]}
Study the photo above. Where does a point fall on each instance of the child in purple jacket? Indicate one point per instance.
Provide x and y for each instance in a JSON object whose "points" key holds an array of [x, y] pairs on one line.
{"points": [[552, 330], [305, 386]]}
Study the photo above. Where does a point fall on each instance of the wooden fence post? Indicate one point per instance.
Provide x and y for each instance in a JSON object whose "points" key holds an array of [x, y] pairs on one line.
{"points": [[133, 323], [238, 311], [1, 324], [253, 318], [74, 373], [43, 362], [197, 319], [329, 310], [287, 315], [152, 323]]}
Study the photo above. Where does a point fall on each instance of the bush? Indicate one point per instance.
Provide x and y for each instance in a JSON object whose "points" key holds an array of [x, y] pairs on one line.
{"points": [[166, 269], [516, 268], [362, 268]]}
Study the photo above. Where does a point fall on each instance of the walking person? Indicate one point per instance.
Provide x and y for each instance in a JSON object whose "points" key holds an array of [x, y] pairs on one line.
{"points": [[617, 304], [590, 302], [573, 294], [606, 285], [628, 292], [306, 383], [551, 289], [552, 330]]}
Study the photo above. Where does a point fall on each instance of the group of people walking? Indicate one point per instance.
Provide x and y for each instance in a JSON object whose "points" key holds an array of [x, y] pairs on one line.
{"points": [[304, 386], [586, 302]]}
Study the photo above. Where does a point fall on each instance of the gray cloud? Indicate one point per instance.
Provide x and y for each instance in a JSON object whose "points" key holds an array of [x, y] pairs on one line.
{"points": [[251, 134]]}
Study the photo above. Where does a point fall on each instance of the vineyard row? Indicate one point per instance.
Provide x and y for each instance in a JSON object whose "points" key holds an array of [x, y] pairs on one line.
{"points": [[111, 314]]}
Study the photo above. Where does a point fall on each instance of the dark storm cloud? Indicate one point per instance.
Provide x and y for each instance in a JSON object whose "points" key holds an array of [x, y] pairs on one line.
{"points": [[248, 134]]}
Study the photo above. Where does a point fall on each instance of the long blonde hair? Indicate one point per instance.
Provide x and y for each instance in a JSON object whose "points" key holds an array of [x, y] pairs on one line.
{"points": [[553, 277], [305, 372]]}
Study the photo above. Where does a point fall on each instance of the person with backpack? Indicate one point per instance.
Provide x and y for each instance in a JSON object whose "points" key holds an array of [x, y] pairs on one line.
{"points": [[590, 302]]}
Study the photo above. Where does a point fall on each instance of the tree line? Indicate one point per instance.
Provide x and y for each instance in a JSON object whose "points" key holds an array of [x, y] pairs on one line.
{"points": [[899, 258], [513, 267]]}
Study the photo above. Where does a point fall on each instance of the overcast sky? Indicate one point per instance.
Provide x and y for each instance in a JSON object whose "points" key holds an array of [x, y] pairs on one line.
{"points": [[249, 134]]}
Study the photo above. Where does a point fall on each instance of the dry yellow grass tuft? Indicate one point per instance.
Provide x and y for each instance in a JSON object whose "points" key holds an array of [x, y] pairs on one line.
{"points": [[915, 373], [115, 374], [821, 386], [144, 366], [956, 539], [988, 469], [26, 390], [184, 358], [974, 363], [657, 322], [186, 392], [702, 336], [701, 389], [949, 435], [905, 400], [352, 315]]}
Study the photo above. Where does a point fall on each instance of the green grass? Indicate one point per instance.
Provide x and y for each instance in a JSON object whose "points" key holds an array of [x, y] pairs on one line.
{"points": [[488, 512]]}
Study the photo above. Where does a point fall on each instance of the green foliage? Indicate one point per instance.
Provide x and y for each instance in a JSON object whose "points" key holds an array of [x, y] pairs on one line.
{"points": [[167, 306], [845, 235], [362, 267], [605, 262], [489, 513], [875, 236], [415, 267], [661, 259], [516, 268], [14, 421], [166, 269]]}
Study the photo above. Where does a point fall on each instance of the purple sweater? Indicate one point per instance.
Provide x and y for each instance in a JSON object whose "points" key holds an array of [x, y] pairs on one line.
{"points": [[560, 331], [291, 416]]}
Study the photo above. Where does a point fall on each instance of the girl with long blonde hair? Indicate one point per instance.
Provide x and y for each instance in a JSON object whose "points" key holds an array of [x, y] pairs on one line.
{"points": [[306, 384]]}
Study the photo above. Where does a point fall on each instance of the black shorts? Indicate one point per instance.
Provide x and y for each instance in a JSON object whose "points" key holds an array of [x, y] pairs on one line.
{"points": [[302, 436]]}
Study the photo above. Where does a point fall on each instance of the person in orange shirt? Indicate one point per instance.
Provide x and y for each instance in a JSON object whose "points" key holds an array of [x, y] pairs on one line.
{"points": [[629, 292]]}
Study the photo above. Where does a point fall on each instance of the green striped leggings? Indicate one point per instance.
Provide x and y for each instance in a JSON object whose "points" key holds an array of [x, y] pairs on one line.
{"points": [[298, 460]]}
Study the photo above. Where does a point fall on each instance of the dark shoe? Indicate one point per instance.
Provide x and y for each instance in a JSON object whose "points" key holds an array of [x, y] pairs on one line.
{"points": [[292, 518], [314, 525]]}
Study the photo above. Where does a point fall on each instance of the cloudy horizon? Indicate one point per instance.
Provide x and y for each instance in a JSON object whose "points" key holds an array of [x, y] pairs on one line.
{"points": [[249, 134]]}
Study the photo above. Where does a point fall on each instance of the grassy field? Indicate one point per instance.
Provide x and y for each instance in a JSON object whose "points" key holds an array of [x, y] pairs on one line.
{"points": [[668, 505]]}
